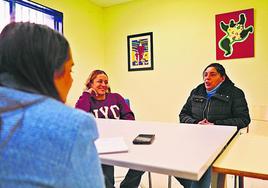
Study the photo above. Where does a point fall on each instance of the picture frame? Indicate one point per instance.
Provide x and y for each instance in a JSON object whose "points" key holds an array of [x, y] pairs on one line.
{"points": [[140, 52], [235, 34]]}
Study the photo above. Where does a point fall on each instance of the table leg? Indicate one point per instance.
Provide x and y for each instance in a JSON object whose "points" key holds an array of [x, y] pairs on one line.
{"points": [[169, 181], [241, 181], [214, 179], [221, 180], [150, 179]]}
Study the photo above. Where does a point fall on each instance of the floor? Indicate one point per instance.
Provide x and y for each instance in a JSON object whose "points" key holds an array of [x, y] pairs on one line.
{"points": [[161, 181]]}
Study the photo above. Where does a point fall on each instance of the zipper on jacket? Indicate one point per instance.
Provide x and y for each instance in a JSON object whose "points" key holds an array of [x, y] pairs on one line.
{"points": [[207, 106], [209, 102]]}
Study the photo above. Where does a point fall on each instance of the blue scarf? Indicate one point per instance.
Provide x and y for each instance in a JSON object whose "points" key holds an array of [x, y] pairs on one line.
{"points": [[213, 91]]}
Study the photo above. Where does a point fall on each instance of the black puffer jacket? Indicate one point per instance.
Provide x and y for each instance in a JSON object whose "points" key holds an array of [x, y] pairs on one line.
{"points": [[227, 107]]}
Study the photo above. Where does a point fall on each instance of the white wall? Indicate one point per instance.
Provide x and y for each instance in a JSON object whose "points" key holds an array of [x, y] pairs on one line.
{"points": [[184, 44]]}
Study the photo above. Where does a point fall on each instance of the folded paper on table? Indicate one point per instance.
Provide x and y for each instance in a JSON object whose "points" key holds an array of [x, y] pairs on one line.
{"points": [[111, 145]]}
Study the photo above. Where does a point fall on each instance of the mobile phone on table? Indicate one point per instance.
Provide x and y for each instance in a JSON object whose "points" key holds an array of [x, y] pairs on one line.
{"points": [[144, 139]]}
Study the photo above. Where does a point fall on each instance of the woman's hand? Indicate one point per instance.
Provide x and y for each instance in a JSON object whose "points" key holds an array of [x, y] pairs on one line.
{"points": [[205, 122], [92, 91]]}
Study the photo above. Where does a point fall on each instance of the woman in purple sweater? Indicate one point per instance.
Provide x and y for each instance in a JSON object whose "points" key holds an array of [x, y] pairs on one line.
{"points": [[98, 100]]}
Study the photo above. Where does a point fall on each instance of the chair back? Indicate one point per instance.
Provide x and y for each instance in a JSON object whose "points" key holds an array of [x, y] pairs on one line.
{"points": [[128, 102], [259, 120]]}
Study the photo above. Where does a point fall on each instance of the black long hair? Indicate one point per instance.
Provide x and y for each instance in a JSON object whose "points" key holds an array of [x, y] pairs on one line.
{"points": [[220, 69], [31, 53]]}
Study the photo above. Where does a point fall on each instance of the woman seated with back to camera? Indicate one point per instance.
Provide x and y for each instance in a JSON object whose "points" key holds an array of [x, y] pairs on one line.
{"points": [[217, 101], [43, 143]]}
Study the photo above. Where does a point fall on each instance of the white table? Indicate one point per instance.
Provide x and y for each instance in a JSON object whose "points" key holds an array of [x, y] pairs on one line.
{"points": [[245, 156], [181, 150]]}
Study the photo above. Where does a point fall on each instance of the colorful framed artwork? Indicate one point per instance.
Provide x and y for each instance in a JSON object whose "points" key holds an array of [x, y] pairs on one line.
{"points": [[140, 52], [235, 34]]}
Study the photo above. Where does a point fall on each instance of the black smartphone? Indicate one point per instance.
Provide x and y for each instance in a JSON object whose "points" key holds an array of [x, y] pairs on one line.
{"points": [[144, 139]]}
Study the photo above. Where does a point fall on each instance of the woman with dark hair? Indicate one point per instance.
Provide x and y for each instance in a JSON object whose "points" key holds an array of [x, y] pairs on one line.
{"points": [[217, 101], [98, 100], [43, 143]]}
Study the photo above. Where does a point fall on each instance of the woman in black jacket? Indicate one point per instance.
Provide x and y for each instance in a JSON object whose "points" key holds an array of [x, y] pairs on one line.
{"points": [[217, 101]]}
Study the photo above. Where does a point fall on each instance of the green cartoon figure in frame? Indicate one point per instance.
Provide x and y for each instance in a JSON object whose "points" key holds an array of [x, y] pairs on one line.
{"points": [[235, 32]]}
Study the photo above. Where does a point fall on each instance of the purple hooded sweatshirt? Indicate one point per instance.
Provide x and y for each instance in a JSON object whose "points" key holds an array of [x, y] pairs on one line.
{"points": [[113, 107]]}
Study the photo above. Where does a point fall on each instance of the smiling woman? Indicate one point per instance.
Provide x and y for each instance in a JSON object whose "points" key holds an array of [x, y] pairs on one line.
{"points": [[97, 84], [98, 100]]}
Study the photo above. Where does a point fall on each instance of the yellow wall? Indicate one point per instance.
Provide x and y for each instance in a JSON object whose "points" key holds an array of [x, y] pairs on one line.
{"points": [[83, 27], [184, 43]]}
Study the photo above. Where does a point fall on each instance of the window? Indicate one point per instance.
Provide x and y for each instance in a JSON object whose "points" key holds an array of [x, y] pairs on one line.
{"points": [[24, 10], [4, 14]]}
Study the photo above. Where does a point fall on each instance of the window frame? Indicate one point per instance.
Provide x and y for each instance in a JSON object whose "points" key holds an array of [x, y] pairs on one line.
{"points": [[57, 16]]}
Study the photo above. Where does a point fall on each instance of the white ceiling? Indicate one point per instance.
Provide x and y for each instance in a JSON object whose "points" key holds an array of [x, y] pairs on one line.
{"points": [[107, 3]]}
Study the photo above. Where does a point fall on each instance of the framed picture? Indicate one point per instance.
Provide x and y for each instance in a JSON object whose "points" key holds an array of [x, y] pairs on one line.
{"points": [[235, 34], [140, 52]]}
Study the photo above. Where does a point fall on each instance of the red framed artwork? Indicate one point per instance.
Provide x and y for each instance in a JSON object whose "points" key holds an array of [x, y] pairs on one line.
{"points": [[235, 34]]}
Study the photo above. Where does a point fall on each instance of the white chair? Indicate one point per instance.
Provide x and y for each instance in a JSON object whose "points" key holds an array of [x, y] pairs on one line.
{"points": [[259, 120], [259, 126]]}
